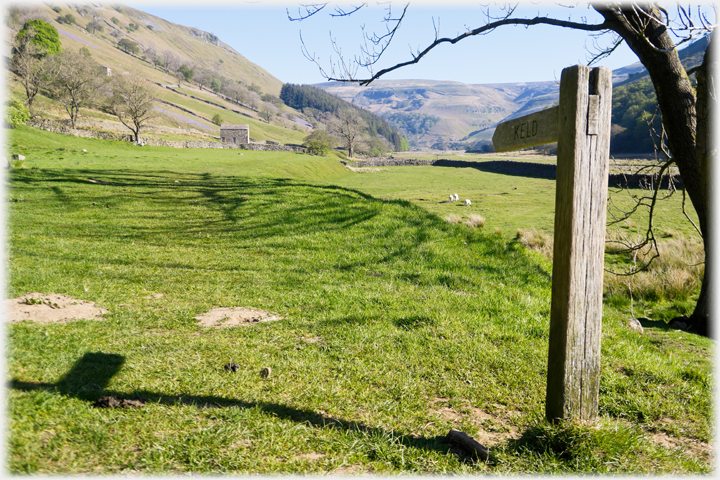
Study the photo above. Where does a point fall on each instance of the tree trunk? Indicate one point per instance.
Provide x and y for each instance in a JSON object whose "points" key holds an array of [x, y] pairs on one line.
{"points": [[705, 152], [646, 35]]}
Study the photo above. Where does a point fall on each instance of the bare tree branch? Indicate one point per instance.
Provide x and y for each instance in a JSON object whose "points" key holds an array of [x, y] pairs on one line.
{"points": [[339, 12], [477, 31], [310, 10]]}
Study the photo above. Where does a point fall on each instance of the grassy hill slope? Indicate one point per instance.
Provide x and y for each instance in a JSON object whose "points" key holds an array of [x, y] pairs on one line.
{"points": [[190, 46]]}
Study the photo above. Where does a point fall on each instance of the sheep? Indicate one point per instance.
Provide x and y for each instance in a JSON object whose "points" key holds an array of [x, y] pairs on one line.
{"points": [[457, 197], [452, 198], [467, 203]]}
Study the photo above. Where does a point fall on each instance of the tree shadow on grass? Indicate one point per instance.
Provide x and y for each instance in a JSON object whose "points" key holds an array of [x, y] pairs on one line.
{"points": [[89, 377], [280, 209], [505, 167]]}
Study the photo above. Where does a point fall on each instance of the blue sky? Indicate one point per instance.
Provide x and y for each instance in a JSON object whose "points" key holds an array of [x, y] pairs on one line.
{"points": [[261, 32]]}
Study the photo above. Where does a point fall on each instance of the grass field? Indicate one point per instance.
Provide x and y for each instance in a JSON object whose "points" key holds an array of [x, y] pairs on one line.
{"points": [[396, 325]]}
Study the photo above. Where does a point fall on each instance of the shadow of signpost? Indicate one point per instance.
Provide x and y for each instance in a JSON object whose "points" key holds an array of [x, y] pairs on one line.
{"points": [[89, 377]]}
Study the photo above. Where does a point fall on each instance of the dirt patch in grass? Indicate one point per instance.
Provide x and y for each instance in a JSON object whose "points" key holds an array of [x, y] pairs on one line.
{"points": [[690, 446], [309, 456], [492, 428], [51, 308], [234, 316]]}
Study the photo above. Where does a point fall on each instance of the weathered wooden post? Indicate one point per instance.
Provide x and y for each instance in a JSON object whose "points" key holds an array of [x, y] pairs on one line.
{"points": [[581, 126]]}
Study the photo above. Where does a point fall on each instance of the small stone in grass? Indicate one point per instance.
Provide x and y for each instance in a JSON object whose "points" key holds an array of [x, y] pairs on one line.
{"points": [[230, 366], [265, 372]]}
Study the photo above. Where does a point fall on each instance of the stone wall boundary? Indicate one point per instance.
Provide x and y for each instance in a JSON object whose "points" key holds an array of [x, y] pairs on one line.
{"points": [[525, 169], [63, 127]]}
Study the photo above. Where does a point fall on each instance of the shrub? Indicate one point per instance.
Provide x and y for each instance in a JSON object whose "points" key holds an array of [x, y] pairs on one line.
{"points": [[16, 113], [57, 9], [217, 119], [115, 20], [318, 142]]}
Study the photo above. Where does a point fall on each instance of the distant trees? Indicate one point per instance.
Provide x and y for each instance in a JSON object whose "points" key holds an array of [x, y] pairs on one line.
{"points": [[375, 147], [413, 123], [132, 102], [634, 106], [68, 19], [307, 98]]}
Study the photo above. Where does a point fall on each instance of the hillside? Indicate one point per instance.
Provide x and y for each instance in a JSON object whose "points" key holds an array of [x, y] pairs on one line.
{"points": [[186, 108]]}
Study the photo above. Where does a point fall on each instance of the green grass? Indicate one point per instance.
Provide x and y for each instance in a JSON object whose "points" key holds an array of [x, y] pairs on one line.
{"points": [[397, 327]]}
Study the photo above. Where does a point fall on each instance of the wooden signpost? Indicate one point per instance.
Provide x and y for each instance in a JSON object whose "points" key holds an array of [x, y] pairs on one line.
{"points": [[581, 126]]}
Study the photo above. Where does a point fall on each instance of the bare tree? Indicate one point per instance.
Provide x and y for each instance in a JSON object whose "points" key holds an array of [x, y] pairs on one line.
{"points": [[152, 55], [132, 102], [349, 127], [171, 60], [266, 113], [202, 76], [653, 34], [77, 83]]}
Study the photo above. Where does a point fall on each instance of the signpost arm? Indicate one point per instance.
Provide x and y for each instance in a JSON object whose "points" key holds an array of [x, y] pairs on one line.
{"points": [[579, 244]]}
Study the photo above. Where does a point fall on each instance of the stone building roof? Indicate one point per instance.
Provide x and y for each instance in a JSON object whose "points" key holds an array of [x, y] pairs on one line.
{"points": [[235, 127]]}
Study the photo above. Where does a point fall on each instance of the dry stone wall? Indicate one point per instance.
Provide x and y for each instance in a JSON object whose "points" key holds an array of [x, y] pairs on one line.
{"points": [[63, 127], [524, 169]]}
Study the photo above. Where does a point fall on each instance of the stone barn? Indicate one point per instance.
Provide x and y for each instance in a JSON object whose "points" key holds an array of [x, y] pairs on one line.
{"points": [[237, 134]]}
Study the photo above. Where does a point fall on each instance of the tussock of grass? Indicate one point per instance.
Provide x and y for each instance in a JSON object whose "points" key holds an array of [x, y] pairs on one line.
{"points": [[453, 218], [536, 240], [674, 275], [475, 221]]}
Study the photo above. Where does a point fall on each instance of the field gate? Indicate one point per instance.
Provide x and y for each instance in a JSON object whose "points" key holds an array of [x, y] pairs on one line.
{"points": [[581, 126]]}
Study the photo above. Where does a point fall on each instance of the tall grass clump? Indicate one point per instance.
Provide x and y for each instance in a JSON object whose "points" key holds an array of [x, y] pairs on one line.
{"points": [[675, 274], [536, 240], [475, 221], [453, 218]]}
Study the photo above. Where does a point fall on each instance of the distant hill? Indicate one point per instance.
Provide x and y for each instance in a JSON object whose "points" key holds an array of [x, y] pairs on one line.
{"points": [[458, 112], [453, 115]]}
